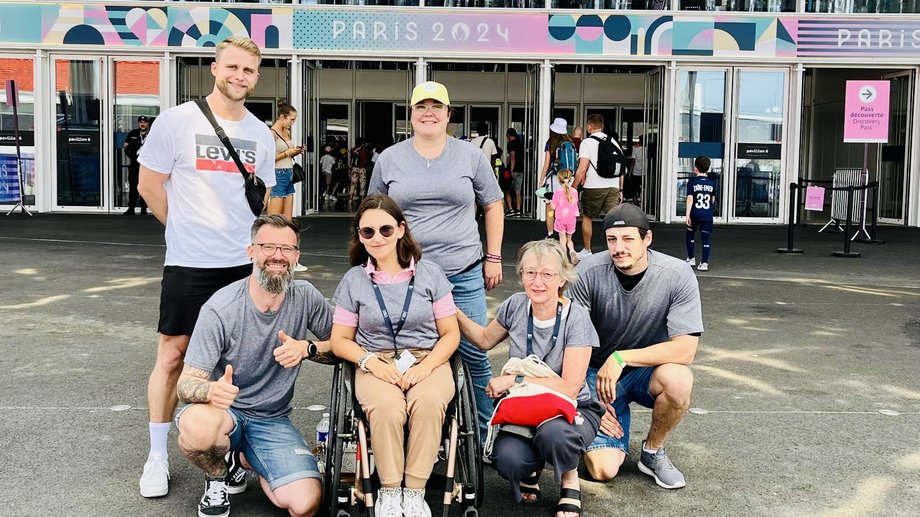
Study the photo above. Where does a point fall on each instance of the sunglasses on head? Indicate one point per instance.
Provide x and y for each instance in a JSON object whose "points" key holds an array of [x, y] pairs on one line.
{"points": [[368, 232]]}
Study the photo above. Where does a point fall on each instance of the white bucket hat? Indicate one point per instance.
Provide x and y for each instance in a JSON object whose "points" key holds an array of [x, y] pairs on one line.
{"points": [[560, 126]]}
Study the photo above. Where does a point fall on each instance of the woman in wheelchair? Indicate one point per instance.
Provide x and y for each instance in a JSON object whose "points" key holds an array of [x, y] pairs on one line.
{"points": [[396, 321], [542, 322]]}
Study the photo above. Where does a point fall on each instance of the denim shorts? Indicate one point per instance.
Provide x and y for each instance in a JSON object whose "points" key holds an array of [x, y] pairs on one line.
{"points": [[283, 185], [273, 446], [632, 387]]}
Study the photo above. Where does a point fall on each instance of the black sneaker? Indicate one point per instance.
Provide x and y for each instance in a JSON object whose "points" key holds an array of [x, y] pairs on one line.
{"points": [[215, 502], [237, 476]]}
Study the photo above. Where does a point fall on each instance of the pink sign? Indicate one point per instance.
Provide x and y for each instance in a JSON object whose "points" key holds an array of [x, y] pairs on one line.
{"points": [[814, 198], [12, 96], [866, 117]]}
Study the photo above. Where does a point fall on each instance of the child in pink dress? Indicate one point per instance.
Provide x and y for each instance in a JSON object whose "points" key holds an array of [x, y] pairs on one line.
{"points": [[565, 203]]}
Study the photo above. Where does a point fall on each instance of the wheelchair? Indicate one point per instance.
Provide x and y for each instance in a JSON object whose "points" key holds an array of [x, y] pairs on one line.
{"points": [[457, 476]]}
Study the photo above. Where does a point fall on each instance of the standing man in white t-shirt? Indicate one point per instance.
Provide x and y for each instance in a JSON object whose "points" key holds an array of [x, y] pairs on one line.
{"points": [[599, 195], [484, 142], [195, 189]]}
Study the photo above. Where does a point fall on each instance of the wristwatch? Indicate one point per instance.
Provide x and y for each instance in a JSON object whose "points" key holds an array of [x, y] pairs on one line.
{"points": [[519, 379], [312, 350]]}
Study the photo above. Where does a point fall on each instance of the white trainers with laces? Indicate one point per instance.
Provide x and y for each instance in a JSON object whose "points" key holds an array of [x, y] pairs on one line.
{"points": [[155, 479], [388, 502], [704, 266], [690, 262], [414, 504]]}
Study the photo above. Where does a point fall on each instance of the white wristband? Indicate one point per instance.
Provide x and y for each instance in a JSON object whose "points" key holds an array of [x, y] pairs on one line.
{"points": [[362, 363]]}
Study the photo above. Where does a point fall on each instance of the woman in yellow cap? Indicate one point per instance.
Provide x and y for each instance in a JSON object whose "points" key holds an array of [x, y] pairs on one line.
{"points": [[438, 180]]}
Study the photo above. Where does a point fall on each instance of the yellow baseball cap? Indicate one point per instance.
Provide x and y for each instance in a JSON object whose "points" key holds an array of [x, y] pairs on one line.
{"points": [[430, 90]]}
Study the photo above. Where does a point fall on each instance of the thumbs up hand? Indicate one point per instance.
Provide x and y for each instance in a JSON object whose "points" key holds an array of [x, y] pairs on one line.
{"points": [[222, 392], [291, 352]]}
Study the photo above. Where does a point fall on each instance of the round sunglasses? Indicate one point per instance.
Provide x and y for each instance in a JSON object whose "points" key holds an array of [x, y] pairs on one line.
{"points": [[368, 232]]}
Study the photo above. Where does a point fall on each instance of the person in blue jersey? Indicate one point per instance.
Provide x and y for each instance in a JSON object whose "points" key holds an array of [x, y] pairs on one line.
{"points": [[701, 203]]}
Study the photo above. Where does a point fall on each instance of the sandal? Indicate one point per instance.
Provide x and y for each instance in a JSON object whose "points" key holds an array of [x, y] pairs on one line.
{"points": [[530, 486], [569, 501]]}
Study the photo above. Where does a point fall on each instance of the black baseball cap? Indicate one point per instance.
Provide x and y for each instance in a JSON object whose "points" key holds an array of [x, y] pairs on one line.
{"points": [[143, 118], [626, 215]]}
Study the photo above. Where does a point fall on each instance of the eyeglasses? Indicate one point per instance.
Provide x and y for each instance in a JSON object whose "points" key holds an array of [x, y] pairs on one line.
{"points": [[531, 275], [368, 232], [420, 109], [269, 249]]}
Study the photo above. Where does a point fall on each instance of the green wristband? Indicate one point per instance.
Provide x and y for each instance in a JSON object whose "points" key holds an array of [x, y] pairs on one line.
{"points": [[618, 359]]}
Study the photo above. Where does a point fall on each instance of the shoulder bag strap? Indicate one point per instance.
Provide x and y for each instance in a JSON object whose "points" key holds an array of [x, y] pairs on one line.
{"points": [[203, 106]]}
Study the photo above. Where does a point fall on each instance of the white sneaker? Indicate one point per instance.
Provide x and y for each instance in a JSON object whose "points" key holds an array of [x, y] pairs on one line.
{"points": [[388, 502], [690, 262], [300, 267], [414, 504], [155, 479], [704, 266], [584, 253]]}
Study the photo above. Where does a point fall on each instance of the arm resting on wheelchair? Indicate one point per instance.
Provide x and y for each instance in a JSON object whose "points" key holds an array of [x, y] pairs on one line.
{"points": [[485, 338]]}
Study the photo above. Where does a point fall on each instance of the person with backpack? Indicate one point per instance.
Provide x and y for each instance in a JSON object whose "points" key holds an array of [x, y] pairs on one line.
{"points": [[560, 153], [601, 164]]}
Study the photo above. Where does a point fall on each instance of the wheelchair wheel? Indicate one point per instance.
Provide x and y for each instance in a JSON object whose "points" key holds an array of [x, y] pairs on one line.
{"points": [[470, 448], [336, 493]]}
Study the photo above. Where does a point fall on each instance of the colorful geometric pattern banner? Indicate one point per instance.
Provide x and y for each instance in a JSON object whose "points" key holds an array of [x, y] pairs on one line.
{"points": [[413, 32]]}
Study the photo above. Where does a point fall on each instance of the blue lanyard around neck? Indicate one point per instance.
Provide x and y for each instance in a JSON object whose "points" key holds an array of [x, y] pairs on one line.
{"points": [[555, 329], [394, 331]]}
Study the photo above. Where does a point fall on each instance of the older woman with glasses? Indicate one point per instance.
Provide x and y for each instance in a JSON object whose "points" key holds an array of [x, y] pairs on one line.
{"points": [[402, 373], [542, 322], [438, 180]]}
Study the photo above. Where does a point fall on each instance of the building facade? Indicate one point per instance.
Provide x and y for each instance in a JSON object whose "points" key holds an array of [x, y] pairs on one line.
{"points": [[760, 87]]}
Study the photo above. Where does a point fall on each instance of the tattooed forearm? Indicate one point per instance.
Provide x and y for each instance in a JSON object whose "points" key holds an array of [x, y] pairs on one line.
{"points": [[211, 460], [193, 390], [324, 358], [193, 385]]}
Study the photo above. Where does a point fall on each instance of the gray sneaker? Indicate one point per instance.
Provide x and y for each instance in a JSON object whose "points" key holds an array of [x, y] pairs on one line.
{"points": [[659, 466]]}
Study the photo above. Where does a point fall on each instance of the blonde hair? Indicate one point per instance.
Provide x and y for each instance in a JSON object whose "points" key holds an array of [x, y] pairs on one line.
{"points": [[241, 42], [552, 250], [565, 176]]}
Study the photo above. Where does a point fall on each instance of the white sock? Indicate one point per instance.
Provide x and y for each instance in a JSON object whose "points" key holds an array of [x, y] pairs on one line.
{"points": [[650, 451], [159, 435]]}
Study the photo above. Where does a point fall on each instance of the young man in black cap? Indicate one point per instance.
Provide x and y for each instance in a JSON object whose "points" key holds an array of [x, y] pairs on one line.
{"points": [[133, 143], [645, 306]]}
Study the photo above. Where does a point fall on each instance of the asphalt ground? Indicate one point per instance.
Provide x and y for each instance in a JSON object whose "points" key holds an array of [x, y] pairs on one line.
{"points": [[807, 400]]}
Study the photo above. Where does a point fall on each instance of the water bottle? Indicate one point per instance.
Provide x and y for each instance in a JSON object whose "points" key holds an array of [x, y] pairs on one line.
{"points": [[322, 429]]}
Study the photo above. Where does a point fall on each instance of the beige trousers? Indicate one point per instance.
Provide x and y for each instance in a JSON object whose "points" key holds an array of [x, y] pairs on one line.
{"points": [[388, 409]]}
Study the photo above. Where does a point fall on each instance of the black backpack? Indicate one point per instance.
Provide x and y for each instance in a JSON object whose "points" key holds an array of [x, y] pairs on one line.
{"points": [[611, 162]]}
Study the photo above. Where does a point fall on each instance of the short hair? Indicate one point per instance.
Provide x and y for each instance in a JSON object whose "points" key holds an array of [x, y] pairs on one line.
{"points": [[240, 42], [596, 120], [702, 164], [406, 248], [275, 221], [482, 127], [511, 132], [285, 109], [549, 249]]}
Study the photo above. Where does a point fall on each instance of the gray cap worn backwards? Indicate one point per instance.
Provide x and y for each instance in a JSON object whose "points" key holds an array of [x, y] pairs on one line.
{"points": [[626, 215]]}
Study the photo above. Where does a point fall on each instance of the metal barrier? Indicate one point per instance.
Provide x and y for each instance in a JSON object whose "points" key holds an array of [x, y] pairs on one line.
{"points": [[842, 204]]}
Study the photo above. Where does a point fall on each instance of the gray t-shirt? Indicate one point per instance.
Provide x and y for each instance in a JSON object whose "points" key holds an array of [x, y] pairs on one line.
{"points": [[230, 330], [355, 294], [575, 330], [439, 198], [663, 305]]}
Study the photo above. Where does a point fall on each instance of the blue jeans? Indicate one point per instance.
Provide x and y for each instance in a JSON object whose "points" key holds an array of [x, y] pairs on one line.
{"points": [[273, 446], [632, 387], [470, 297]]}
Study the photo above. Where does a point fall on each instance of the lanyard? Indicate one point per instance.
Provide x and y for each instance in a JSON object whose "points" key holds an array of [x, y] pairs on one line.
{"points": [[555, 329], [394, 331]]}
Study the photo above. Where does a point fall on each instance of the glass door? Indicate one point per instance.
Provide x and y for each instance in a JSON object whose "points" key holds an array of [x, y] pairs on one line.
{"points": [[78, 146], [892, 174], [136, 88], [702, 103], [491, 115], [12, 166], [759, 116], [651, 156]]}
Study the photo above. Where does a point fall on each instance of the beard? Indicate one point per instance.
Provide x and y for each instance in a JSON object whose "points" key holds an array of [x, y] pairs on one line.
{"points": [[224, 88], [275, 283]]}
